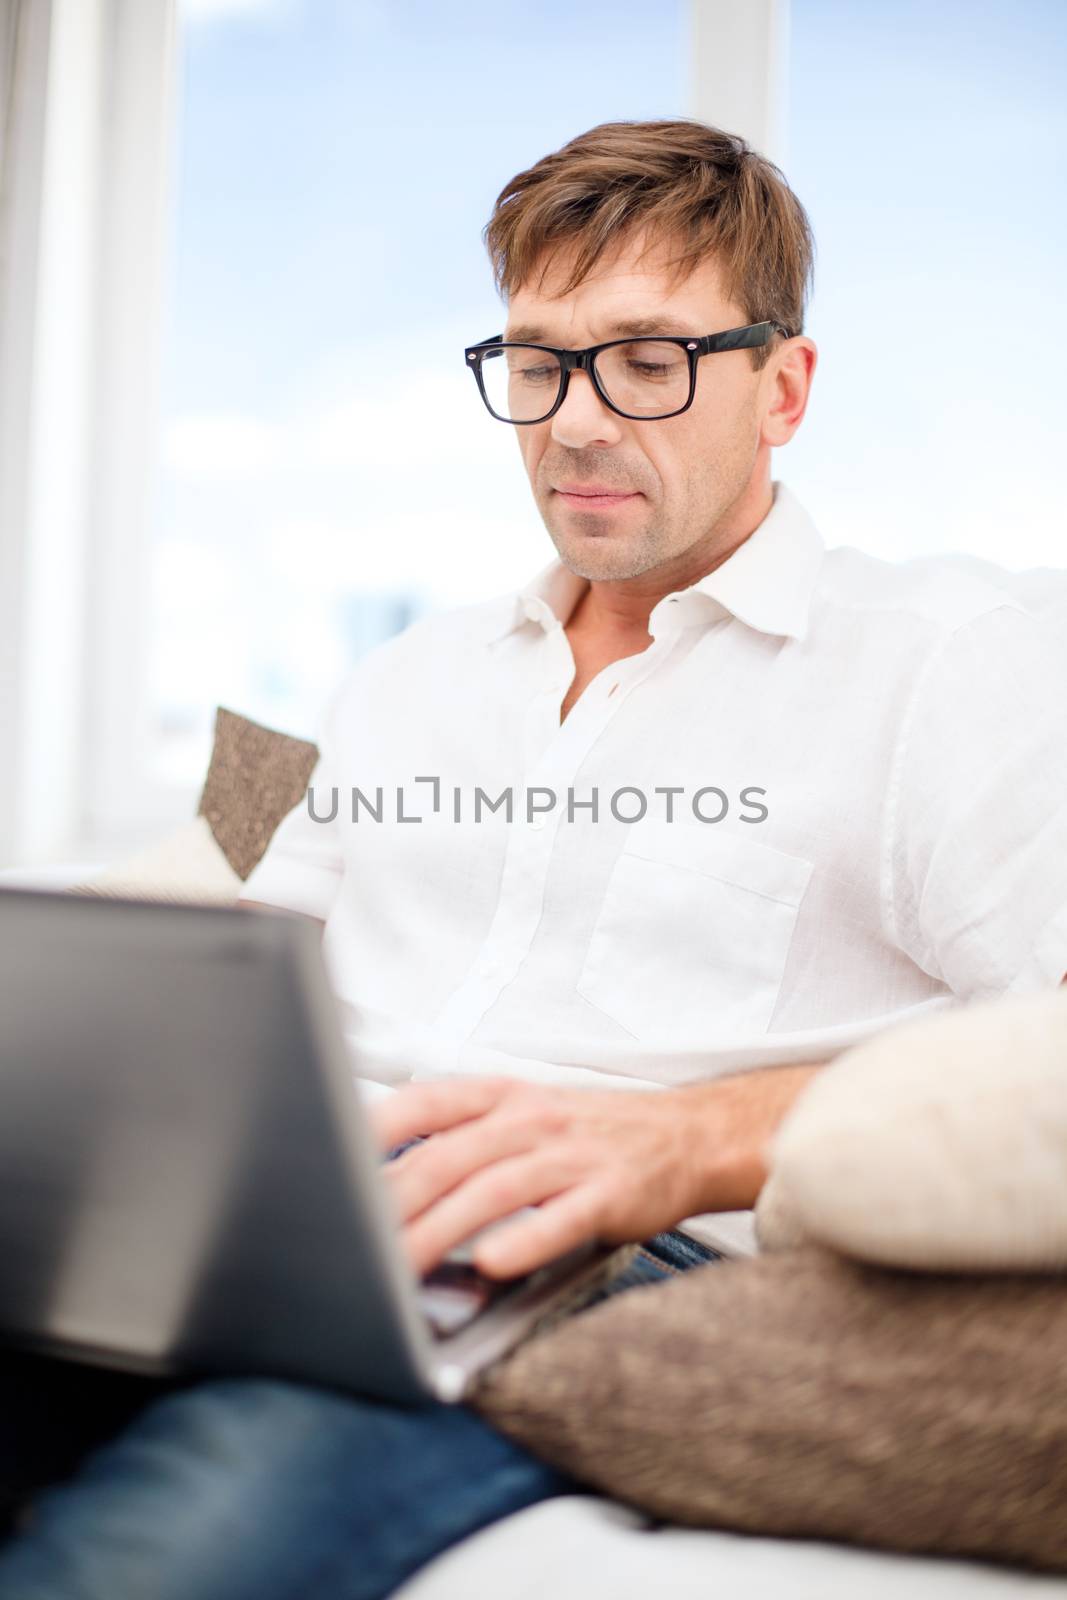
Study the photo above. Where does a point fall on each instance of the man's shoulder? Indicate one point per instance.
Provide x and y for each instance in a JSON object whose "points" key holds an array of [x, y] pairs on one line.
{"points": [[457, 627], [936, 595], [439, 641], [973, 638]]}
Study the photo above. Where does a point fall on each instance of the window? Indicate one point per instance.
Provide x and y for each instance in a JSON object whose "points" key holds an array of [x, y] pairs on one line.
{"points": [[332, 164], [929, 143], [327, 470]]}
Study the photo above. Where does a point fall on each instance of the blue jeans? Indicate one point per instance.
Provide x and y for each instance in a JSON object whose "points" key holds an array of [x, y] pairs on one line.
{"points": [[248, 1489]]}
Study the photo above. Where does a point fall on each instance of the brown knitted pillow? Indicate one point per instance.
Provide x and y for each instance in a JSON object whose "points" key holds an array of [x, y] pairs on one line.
{"points": [[810, 1395], [255, 778]]}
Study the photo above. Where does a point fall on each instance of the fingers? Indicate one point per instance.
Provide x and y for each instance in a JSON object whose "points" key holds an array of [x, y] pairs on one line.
{"points": [[428, 1171], [429, 1107], [489, 1195], [561, 1224], [500, 1145]]}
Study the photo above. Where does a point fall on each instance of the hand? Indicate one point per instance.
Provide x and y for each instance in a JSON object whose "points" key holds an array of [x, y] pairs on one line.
{"points": [[609, 1164]]}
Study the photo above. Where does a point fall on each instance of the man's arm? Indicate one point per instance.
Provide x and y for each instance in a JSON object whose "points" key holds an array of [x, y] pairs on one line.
{"points": [[617, 1165], [975, 834]]}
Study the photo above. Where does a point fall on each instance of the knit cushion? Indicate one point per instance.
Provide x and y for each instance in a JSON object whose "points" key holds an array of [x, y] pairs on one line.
{"points": [[939, 1144], [255, 778], [806, 1394]]}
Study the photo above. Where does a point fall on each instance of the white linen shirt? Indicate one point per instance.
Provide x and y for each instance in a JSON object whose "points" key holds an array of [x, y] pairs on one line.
{"points": [[905, 723]]}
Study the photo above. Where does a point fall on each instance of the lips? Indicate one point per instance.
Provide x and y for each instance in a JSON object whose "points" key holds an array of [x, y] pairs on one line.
{"points": [[593, 491]]}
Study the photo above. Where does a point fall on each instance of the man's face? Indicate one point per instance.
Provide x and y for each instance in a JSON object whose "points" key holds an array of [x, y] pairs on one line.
{"points": [[673, 480]]}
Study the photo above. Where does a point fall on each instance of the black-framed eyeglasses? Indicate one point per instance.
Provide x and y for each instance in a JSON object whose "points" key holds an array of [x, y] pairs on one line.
{"points": [[642, 379]]}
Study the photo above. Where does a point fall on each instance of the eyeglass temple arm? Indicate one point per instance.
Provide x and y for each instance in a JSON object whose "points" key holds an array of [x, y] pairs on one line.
{"points": [[740, 338], [733, 339]]}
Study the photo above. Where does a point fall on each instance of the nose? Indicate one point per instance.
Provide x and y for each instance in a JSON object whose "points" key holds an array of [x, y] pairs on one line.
{"points": [[583, 419]]}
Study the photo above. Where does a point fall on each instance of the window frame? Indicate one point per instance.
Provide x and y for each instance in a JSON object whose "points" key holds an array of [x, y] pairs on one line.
{"points": [[81, 248]]}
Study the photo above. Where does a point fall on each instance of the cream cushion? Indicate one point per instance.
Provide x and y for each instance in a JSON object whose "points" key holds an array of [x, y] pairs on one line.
{"points": [[941, 1144], [187, 867]]}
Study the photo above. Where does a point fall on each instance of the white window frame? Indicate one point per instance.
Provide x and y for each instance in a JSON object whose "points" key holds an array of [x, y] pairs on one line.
{"points": [[739, 69], [123, 804], [87, 124]]}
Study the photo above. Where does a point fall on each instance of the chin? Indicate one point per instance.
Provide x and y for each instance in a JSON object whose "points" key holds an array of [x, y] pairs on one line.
{"points": [[606, 558]]}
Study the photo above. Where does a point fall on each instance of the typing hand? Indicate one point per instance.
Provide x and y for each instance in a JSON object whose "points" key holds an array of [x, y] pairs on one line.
{"points": [[609, 1164]]}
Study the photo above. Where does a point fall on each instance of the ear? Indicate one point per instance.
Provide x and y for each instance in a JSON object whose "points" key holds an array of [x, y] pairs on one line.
{"points": [[788, 378]]}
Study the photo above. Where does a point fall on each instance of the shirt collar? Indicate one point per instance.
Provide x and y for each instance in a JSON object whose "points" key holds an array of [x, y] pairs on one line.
{"points": [[767, 583], [549, 598]]}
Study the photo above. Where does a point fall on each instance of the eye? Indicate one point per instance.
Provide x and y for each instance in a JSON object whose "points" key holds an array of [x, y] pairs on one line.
{"points": [[536, 374], [652, 369], [651, 361], [532, 368]]}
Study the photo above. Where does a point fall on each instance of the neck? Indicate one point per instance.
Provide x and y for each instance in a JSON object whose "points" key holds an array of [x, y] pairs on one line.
{"points": [[621, 607]]}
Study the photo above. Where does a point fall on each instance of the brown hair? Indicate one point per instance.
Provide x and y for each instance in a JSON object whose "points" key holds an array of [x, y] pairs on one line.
{"points": [[679, 179]]}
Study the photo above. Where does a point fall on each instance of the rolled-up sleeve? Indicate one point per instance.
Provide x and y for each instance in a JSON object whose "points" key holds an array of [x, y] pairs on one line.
{"points": [[302, 867], [975, 852]]}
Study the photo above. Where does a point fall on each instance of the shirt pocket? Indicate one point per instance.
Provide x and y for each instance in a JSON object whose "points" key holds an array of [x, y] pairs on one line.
{"points": [[693, 934]]}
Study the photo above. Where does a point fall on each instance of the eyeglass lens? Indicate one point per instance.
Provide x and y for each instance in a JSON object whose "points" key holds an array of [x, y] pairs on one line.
{"points": [[646, 378]]}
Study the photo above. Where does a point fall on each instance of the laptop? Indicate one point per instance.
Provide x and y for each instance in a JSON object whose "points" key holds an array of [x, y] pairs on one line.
{"points": [[188, 1183]]}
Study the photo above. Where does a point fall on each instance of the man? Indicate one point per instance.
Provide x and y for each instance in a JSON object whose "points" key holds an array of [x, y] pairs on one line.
{"points": [[702, 797]]}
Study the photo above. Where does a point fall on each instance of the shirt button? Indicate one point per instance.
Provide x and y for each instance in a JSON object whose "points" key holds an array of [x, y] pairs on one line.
{"points": [[537, 823]]}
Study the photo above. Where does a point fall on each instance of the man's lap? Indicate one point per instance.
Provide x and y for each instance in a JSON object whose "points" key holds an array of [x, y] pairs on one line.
{"points": [[52, 1413], [246, 1489], [251, 1487]]}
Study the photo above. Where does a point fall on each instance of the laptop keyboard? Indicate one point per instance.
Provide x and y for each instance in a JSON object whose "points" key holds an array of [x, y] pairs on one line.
{"points": [[454, 1293]]}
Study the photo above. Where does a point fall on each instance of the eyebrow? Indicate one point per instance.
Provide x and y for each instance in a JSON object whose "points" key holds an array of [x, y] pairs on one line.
{"points": [[634, 328]]}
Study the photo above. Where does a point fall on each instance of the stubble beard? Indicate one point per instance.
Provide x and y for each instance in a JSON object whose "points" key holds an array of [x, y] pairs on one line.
{"points": [[605, 556], [608, 557]]}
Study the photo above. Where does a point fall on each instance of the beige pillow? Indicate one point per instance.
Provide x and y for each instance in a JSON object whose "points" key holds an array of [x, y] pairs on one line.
{"points": [[806, 1394], [186, 867], [255, 777], [939, 1144]]}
